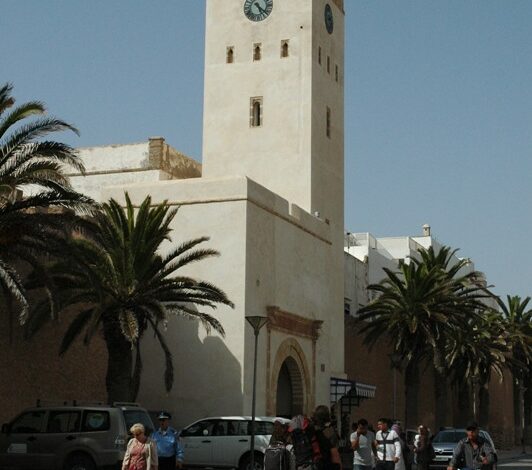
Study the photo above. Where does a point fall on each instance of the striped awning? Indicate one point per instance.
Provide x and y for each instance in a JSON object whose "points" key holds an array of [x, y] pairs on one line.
{"points": [[343, 388]]}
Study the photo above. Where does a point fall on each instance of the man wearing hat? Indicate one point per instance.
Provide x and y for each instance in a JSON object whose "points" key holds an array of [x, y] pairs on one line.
{"points": [[473, 451], [169, 447]]}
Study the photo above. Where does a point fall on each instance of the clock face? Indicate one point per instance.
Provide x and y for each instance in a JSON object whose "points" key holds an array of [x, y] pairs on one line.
{"points": [[329, 21], [258, 10]]}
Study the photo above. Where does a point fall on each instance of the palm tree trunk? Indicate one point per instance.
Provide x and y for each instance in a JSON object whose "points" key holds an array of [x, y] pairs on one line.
{"points": [[119, 366], [465, 407], [440, 399], [411, 378], [483, 405]]}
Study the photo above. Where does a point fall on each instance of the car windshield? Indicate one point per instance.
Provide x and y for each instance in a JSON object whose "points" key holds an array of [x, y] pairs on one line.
{"points": [[449, 436]]}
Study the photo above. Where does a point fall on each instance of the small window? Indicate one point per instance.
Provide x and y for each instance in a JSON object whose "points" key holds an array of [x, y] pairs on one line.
{"points": [[319, 55], [255, 118], [230, 55], [95, 420], [328, 64], [203, 428], [328, 130], [63, 421], [257, 53], [28, 423], [336, 72], [284, 48]]}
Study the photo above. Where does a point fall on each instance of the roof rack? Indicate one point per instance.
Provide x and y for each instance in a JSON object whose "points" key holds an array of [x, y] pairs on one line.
{"points": [[41, 403], [125, 403]]}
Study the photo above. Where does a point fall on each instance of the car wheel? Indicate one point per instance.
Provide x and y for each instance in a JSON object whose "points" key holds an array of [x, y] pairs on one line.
{"points": [[79, 462], [258, 464]]}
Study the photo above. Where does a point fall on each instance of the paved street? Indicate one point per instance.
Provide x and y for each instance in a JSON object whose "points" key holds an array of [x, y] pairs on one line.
{"points": [[525, 462]]}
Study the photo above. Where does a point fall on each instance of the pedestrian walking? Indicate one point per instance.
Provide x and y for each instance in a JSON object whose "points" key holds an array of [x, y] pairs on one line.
{"points": [[423, 450], [472, 452], [400, 464], [362, 443], [169, 446], [388, 446], [327, 438], [141, 452]]}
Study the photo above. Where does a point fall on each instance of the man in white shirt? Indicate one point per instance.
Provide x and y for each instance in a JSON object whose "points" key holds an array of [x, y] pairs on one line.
{"points": [[362, 443], [388, 446]]}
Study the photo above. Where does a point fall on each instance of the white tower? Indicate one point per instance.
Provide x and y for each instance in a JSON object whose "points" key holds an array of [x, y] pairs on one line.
{"points": [[274, 100]]}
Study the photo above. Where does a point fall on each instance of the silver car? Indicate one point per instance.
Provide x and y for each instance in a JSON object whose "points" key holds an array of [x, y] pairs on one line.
{"points": [[446, 441], [77, 437]]}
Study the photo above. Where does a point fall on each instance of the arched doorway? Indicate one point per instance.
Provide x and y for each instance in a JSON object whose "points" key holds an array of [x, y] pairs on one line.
{"points": [[290, 392]]}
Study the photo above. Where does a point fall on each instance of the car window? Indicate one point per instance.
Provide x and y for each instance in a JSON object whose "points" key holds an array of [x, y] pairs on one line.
{"points": [[263, 428], [95, 420], [30, 422], [448, 436], [220, 428], [201, 428], [138, 416], [63, 421], [242, 427]]}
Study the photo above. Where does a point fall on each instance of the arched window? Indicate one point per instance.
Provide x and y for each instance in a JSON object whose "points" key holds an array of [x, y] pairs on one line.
{"points": [[256, 52], [284, 48], [255, 118], [230, 55]]}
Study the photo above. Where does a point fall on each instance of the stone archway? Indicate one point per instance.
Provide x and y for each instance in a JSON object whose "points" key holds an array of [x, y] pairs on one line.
{"points": [[290, 390]]}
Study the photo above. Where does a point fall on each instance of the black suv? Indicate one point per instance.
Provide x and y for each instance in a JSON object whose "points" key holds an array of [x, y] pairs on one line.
{"points": [[70, 437]]}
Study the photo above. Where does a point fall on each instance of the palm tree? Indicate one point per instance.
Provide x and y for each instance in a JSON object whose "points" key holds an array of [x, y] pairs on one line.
{"points": [[417, 309], [119, 284], [468, 286], [32, 182], [517, 321], [477, 349]]}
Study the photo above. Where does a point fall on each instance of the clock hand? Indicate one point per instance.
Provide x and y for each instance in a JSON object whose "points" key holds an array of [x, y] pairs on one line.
{"points": [[262, 10]]}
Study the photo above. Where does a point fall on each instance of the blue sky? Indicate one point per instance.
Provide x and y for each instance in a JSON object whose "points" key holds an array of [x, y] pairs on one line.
{"points": [[438, 105]]}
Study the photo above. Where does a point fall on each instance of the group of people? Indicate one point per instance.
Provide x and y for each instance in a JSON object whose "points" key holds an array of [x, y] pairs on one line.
{"points": [[387, 448], [162, 451]]}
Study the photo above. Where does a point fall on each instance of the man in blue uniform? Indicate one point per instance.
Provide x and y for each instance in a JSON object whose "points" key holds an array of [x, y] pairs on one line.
{"points": [[169, 447]]}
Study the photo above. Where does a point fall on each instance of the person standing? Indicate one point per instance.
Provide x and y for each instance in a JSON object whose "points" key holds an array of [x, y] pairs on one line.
{"points": [[362, 444], [327, 439], [423, 448], [388, 446], [141, 452], [473, 451], [169, 446]]}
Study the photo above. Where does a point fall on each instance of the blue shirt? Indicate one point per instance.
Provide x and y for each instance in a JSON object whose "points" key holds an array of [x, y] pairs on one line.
{"points": [[169, 444]]}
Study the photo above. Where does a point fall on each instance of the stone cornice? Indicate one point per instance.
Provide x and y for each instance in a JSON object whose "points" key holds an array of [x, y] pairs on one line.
{"points": [[297, 325]]}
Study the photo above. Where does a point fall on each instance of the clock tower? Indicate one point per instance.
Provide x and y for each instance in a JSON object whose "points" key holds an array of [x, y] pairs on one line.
{"points": [[274, 99]]}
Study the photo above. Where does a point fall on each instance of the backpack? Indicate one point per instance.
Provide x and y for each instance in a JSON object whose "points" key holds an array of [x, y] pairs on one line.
{"points": [[305, 441], [276, 457]]}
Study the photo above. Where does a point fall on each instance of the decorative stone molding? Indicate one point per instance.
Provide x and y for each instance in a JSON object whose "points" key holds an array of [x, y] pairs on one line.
{"points": [[304, 381], [293, 324]]}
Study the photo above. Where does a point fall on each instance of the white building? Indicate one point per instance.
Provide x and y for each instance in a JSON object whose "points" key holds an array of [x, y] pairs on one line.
{"points": [[366, 256], [270, 196]]}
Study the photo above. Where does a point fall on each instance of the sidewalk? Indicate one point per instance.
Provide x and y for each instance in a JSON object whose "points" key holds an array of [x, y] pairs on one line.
{"points": [[514, 453]]}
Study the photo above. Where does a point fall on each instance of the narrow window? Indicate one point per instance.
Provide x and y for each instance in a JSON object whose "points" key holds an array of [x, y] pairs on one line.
{"points": [[319, 55], [256, 52], [230, 55], [328, 129], [336, 73], [284, 48], [328, 64], [255, 110]]}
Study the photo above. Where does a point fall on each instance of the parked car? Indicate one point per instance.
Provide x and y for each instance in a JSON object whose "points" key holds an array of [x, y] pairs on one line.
{"points": [[445, 442], [224, 441], [76, 437]]}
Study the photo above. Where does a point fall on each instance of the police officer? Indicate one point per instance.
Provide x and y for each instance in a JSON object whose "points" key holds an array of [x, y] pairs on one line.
{"points": [[169, 446]]}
